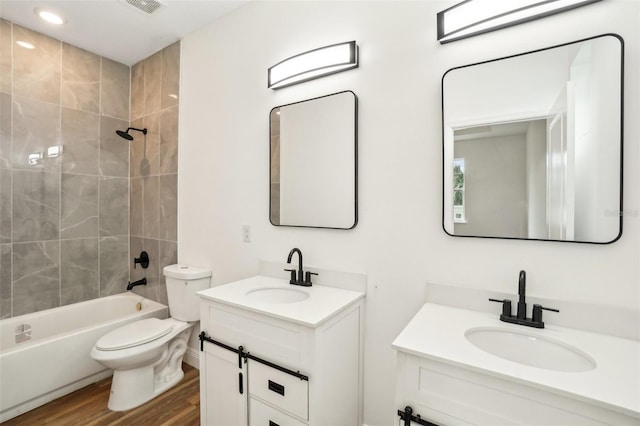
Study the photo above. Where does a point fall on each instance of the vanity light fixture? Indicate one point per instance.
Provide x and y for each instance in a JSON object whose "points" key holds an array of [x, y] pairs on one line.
{"points": [[313, 64], [474, 17]]}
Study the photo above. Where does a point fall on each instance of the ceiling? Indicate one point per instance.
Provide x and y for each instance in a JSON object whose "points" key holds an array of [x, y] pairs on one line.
{"points": [[114, 28]]}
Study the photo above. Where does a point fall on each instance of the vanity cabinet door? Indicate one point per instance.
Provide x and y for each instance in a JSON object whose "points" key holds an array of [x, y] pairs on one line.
{"points": [[223, 388]]}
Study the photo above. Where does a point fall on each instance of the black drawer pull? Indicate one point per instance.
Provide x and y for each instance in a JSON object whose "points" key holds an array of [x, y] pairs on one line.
{"points": [[276, 387], [271, 423], [240, 384]]}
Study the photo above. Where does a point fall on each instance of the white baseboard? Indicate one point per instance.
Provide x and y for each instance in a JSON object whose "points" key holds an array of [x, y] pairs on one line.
{"points": [[192, 357]]}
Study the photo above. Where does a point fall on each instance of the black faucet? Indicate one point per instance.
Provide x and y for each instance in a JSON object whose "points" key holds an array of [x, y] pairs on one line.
{"points": [[522, 294], [131, 285], [521, 315], [301, 278]]}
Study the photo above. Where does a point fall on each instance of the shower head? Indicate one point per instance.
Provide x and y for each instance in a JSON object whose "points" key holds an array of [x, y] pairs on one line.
{"points": [[126, 134]]}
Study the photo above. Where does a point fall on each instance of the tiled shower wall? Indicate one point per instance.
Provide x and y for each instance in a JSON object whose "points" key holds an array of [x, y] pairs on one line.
{"points": [[64, 222], [154, 166]]}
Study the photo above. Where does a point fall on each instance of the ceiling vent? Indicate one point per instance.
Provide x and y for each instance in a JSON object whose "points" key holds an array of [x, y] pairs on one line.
{"points": [[146, 6]]}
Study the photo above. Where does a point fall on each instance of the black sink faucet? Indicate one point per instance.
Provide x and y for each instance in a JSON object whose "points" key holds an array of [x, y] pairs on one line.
{"points": [[521, 315], [301, 278], [522, 294]]}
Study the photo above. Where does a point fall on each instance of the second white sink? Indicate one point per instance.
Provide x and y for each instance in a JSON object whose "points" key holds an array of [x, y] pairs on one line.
{"points": [[278, 295], [529, 349]]}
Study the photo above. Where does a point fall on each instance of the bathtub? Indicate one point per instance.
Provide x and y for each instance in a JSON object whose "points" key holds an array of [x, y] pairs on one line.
{"points": [[45, 355]]}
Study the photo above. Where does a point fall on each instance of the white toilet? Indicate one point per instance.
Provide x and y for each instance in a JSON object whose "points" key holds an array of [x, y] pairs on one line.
{"points": [[146, 355]]}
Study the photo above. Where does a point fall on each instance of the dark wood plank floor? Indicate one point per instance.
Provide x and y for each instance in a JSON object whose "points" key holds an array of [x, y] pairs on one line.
{"points": [[179, 405]]}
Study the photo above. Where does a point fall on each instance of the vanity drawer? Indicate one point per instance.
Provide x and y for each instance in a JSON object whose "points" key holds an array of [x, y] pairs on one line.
{"points": [[279, 341], [261, 414], [283, 390]]}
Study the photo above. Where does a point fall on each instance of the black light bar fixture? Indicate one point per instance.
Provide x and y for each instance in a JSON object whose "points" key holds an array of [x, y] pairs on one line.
{"points": [[313, 64], [474, 17]]}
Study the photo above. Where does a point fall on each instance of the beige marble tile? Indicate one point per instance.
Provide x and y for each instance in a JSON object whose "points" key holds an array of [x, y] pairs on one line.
{"points": [[81, 141], [114, 150], [5, 281], [36, 72], [150, 164], [170, 75], [5, 130], [168, 215], [114, 89], [136, 207], [152, 83], [79, 270], [169, 141], [80, 79], [5, 206], [145, 155], [137, 91], [6, 57], [35, 206], [151, 205], [114, 265], [79, 206], [36, 276], [114, 206], [36, 127]]}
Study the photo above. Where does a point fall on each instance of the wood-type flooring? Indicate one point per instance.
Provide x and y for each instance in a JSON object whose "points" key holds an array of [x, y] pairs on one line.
{"points": [[179, 405]]}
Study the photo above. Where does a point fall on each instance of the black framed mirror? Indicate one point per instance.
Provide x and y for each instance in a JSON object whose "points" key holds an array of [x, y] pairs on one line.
{"points": [[313, 162], [532, 144]]}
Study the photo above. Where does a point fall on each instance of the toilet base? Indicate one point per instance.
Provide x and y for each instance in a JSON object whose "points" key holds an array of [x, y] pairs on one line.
{"points": [[134, 387]]}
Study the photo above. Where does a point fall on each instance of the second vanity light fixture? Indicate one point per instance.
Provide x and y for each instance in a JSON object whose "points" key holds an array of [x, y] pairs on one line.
{"points": [[473, 17], [313, 64]]}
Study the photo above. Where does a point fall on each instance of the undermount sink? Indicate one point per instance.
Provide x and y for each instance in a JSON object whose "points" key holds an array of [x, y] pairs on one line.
{"points": [[530, 349], [278, 295]]}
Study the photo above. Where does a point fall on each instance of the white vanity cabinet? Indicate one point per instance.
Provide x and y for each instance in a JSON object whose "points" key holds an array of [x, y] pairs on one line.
{"points": [[264, 368], [448, 381], [446, 395]]}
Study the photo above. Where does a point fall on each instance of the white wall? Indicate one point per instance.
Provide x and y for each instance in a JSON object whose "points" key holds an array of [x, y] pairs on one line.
{"points": [[399, 241]]}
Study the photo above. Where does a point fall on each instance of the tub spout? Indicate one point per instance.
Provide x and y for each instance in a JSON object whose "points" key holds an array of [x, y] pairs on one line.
{"points": [[135, 283]]}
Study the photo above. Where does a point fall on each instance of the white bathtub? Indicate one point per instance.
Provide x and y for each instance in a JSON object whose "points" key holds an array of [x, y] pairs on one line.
{"points": [[45, 355]]}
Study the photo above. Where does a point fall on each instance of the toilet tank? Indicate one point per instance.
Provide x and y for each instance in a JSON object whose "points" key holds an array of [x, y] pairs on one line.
{"points": [[183, 282]]}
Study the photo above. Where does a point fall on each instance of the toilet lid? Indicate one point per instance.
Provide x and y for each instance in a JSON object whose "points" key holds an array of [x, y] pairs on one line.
{"points": [[134, 334]]}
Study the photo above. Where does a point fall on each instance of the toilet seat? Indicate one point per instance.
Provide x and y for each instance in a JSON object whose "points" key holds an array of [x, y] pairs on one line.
{"points": [[134, 334]]}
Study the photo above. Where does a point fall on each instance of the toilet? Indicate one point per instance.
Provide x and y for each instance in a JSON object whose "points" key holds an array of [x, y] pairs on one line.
{"points": [[146, 355]]}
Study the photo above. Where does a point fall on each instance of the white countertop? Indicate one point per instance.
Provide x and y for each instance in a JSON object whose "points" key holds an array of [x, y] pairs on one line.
{"points": [[438, 332], [323, 302]]}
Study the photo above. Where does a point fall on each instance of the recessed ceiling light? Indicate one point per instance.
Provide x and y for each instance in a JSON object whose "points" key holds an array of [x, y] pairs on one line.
{"points": [[50, 17], [25, 44]]}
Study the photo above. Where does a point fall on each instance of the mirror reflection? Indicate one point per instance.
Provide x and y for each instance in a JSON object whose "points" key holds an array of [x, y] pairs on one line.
{"points": [[313, 162], [532, 144]]}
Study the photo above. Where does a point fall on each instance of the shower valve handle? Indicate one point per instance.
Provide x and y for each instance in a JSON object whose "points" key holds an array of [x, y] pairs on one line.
{"points": [[143, 260]]}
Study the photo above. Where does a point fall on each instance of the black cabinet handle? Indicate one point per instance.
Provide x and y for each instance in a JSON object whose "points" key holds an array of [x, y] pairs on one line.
{"points": [[276, 387], [407, 417], [240, 384]]}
